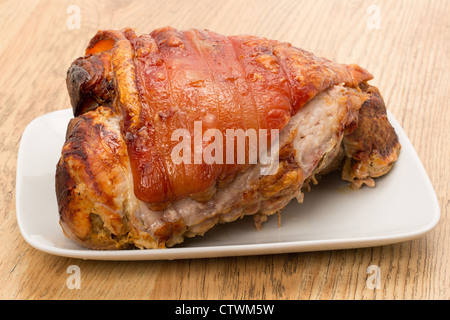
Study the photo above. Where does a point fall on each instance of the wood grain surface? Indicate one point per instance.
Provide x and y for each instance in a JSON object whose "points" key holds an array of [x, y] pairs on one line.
{"points": [[405, 44]]}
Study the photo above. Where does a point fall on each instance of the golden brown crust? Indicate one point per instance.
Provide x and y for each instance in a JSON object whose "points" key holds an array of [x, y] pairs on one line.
{"points": [[89, 83], [373, 146], [91, 181], [181, 77]]}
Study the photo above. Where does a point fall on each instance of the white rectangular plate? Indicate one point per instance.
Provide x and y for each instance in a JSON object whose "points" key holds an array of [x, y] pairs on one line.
{"points": [[401, 207]]}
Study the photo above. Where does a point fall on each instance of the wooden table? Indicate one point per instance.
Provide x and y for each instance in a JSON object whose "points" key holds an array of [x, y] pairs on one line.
{"points": [[405, 44]]}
